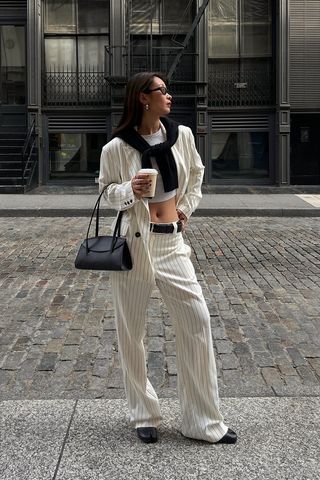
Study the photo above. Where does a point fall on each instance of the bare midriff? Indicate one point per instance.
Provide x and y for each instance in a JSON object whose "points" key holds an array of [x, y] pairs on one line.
{"points": [[163, 212]]}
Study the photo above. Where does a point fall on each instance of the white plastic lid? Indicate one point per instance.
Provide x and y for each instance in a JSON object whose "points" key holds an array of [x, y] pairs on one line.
{"points": [[150, 171]]}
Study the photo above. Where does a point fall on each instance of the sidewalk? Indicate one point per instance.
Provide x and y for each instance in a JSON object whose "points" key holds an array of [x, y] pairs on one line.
{"points": [[68, 205], [90, 439]]}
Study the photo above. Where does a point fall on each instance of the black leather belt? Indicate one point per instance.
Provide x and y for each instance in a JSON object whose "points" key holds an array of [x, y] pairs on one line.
{"points": [[165, 227]]}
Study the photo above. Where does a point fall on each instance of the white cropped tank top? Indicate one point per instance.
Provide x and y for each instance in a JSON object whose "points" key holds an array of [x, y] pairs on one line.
{"points": [[160, 195]]}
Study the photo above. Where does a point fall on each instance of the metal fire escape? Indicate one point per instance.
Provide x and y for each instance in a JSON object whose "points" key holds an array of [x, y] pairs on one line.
{"points": [[173, 54], [186, 40]]}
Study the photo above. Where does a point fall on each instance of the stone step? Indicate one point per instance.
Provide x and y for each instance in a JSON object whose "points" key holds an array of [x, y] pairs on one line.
{"points": [[10, 157], [4, 164], [11, 179], [11, 148], [14, 188], [15, 136], [4, 140], [12, 172]]}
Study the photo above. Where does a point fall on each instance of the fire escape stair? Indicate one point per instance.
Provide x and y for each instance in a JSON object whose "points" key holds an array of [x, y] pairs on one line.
{"points": [[11, 146]]}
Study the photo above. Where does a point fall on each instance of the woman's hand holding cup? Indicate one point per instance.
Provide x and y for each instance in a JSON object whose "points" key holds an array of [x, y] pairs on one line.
{"points": [[143, 184]]}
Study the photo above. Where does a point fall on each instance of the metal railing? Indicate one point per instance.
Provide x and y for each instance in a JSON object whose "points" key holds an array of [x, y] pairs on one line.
{"points": [[87, 87], [233, 88], [29, 157], [227, 86]]}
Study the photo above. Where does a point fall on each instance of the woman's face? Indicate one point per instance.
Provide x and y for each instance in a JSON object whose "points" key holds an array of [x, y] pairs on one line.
{"points": [[159, 101]]}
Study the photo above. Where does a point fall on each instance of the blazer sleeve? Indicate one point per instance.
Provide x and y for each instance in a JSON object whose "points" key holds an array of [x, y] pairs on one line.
{"points": [[118, 194], [193, 195]]}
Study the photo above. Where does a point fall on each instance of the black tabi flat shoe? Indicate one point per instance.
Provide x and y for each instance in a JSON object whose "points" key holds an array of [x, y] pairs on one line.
{"points": [[229, 437], [147, 434]]}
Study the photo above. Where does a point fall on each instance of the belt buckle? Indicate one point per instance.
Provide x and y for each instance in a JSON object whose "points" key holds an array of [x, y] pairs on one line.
{"points": [[175, 227], [153, 227]]}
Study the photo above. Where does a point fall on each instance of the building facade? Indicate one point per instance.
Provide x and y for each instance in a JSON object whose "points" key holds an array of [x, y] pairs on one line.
{"points": [[244, 75]]}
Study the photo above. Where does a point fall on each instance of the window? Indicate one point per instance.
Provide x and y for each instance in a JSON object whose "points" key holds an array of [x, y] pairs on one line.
{"points": [[239, 28], [223, 28], [236, 155], [75, 154], [160, 16], [76, 16], [157, 30], [240, 53], [256, 23], [60, 16], [61, 53], [76, 34], [12, 65], [69, 53]]}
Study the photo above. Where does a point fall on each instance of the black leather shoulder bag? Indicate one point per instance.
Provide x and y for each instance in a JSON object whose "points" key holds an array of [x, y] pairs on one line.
{"points": [[108, 252]]}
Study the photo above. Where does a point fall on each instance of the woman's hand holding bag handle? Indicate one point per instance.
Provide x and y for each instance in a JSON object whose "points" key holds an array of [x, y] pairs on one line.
{"points": [[108, 252]]}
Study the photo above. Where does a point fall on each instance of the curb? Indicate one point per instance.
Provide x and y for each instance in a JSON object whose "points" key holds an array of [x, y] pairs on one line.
{"points": [[200, 212], [257, 212]]}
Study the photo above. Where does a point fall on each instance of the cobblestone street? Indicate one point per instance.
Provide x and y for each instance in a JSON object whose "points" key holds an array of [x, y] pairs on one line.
{"points": [[260, 276]]}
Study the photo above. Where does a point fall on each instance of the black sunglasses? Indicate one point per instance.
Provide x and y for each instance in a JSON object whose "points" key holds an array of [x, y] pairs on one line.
{"points": [[162, 89]]}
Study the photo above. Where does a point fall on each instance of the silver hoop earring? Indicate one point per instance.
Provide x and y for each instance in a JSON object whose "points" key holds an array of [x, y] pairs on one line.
{"points": [[146, 107]]}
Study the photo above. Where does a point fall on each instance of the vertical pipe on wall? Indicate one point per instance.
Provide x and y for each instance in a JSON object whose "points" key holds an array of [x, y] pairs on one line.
{"points": [[201, 106], [118, 49], [34, 34], [117, 36], [283, 95]]}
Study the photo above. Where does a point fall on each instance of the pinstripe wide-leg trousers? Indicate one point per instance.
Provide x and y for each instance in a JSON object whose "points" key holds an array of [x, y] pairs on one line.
{"points": [[172, 271]]}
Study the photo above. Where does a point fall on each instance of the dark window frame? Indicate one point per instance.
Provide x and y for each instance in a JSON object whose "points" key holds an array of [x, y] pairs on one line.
{"points": [[76, 36], [239, 97]]}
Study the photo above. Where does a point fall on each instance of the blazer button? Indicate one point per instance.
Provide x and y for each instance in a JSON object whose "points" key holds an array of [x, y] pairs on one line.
{"points": [[137, 234]]}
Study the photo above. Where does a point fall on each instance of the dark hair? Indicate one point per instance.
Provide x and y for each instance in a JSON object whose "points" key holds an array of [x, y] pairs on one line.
{"points": [[133, 108]]}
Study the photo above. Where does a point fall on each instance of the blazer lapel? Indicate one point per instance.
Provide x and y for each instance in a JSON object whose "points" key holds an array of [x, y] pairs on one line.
{"points": [[133, 160], [181, 170]]}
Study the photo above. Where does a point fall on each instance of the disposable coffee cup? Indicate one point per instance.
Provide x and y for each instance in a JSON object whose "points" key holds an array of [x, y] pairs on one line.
{"points": [[152, 172]]}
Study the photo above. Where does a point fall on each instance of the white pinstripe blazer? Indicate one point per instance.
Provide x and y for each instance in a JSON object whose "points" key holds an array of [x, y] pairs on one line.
{"points": [[120, 162]]}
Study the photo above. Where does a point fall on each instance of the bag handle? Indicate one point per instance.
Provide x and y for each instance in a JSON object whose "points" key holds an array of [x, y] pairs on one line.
{"points": [[96, 209]]}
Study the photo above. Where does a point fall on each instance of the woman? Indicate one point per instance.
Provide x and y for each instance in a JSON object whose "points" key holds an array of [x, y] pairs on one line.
{"points": [[146, 138]]}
